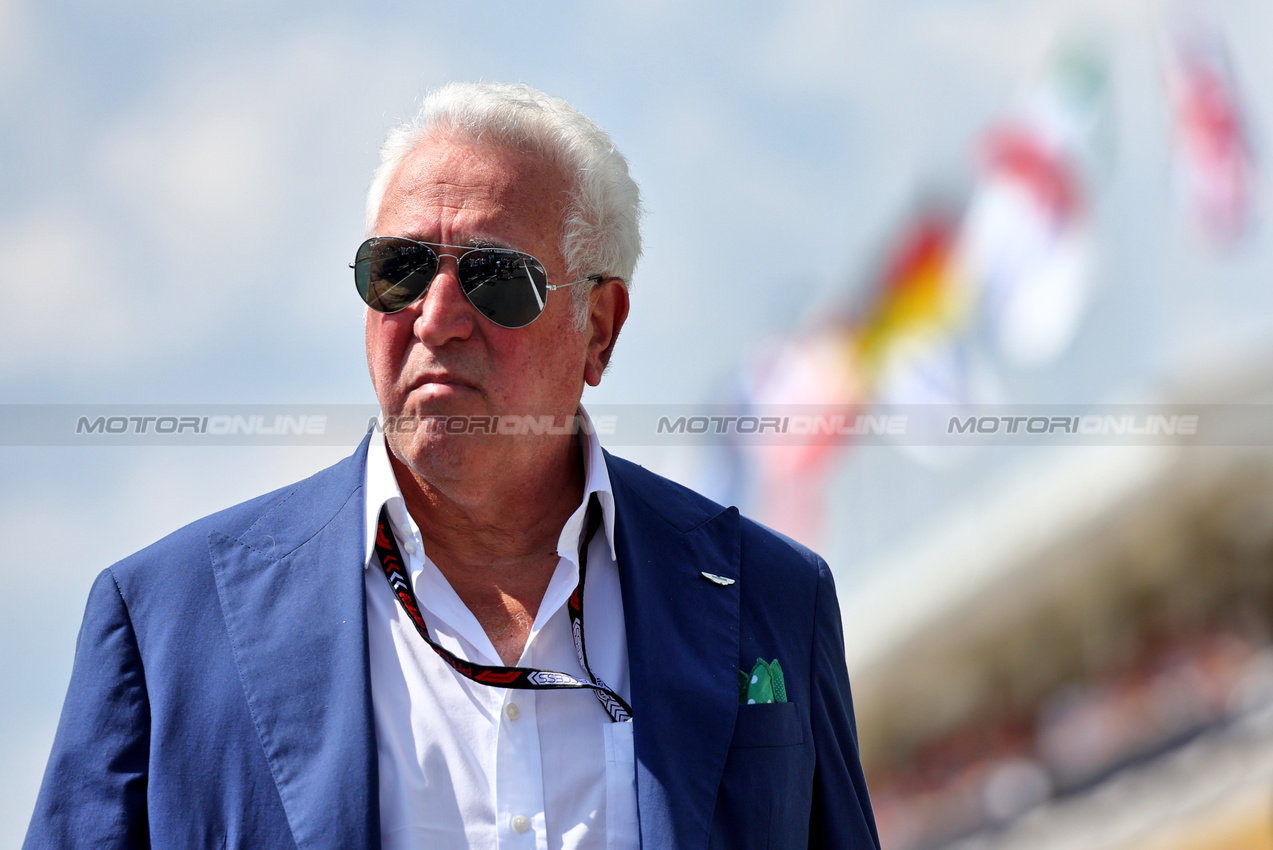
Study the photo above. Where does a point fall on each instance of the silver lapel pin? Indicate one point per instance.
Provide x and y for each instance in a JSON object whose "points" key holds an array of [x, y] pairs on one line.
{"points": [[715, 579]]}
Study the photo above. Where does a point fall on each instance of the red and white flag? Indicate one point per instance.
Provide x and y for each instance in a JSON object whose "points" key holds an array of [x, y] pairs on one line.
{"points": [[1214, 167], [1026, 244]]}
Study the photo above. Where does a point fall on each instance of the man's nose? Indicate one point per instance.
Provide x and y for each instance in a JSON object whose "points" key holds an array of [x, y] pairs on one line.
{"points": [[444, 310]]}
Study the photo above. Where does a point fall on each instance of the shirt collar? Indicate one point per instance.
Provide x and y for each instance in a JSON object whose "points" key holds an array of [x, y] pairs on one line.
{"points": [[381, 488]]}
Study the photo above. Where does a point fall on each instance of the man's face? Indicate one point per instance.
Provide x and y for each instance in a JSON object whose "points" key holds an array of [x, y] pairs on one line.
{"points": [[440, 357]]}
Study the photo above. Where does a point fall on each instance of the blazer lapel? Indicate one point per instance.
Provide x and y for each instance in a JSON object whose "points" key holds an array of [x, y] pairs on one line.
{"points": [[291, 589], [683, 646]]}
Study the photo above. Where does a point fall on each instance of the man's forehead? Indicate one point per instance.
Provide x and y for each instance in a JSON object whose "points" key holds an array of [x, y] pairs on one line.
{"points": [[479, 168], [467, 179]]}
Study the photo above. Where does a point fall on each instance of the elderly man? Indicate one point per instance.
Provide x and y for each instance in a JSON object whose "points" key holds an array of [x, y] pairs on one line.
{"points": [[394, 653]]}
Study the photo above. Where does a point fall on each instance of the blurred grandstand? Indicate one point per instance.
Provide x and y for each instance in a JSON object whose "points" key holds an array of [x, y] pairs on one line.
{"points": [[1081, 659]]}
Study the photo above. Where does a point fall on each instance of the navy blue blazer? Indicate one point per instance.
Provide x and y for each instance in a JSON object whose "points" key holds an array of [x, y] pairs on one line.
{"points": [[221, 698]]}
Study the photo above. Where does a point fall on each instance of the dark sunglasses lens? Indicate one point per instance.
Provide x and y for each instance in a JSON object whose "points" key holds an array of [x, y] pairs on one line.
{"points": [[392, 273], [508, 287]]}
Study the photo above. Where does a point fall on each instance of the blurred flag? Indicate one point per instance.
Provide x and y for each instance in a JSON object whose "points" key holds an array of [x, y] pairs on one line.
{"points": [[1018, 257], [1026, 242], [906, 338], [1214, 167], [811, 373], [916, 342], [898, 346]]}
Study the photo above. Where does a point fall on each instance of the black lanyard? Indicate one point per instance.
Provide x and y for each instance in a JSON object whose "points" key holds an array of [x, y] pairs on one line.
{"points": [[524, 678]]}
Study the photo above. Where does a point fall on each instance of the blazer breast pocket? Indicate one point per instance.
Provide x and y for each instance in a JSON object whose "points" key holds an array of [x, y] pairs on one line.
{"points": [[774, 724], [766, 791]]}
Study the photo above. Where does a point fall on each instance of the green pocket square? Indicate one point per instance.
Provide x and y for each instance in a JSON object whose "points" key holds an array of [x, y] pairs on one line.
{"points": [[763, 684]]}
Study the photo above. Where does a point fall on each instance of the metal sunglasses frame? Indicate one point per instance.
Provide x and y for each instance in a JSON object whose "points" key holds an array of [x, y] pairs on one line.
{"points": [[468, 249]]}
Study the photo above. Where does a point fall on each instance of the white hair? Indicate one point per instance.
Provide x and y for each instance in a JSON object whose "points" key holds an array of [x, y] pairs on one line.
{"points": [[600, 233]]}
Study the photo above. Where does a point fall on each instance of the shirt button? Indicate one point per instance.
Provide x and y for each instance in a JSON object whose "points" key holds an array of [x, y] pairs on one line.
{"points": [[512, 712], [521, 823], [410, 547]]}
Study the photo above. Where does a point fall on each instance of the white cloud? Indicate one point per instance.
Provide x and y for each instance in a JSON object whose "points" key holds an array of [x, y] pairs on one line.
{"points": [[230, 179], [57, 288], [208, 174], [208, 160], [886, 57], [16, 41], [816, 41], [223, 154]]}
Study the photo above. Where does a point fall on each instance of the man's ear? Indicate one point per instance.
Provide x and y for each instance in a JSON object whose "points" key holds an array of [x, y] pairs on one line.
{"points": [[607, 311]]}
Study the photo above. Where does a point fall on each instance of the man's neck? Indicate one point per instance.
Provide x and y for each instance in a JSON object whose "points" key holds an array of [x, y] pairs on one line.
{"points": [[496, 543]]}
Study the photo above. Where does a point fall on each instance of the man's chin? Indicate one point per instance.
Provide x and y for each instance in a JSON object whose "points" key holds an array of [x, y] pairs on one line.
{"points": [[455, 447], [436, 447]]}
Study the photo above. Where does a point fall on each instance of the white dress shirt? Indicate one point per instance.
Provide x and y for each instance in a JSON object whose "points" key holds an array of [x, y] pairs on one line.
{"points": [[463, 764]]}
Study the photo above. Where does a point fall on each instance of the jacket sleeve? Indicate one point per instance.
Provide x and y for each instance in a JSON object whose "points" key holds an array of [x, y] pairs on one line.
{"points": [[94, 790], [841, 815]]}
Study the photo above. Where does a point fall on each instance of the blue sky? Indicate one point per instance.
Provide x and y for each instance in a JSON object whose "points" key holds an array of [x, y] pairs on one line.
{"points": [[181, 190]]}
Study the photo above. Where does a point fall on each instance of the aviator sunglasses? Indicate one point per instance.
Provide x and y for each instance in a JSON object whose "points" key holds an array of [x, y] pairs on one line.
{"points": [[506, 286]]}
